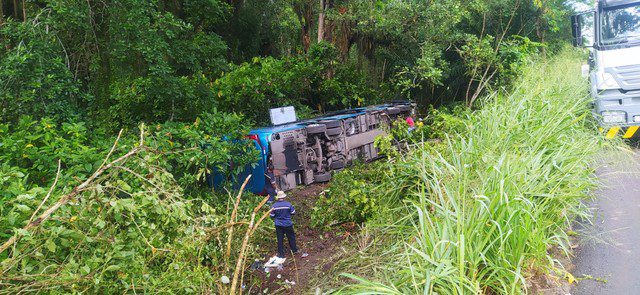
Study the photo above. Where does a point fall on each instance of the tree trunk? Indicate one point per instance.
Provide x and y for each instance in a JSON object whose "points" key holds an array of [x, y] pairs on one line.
{"points": [[304, 11], [15, 9], [308, 15], [540, 30], [321, 21], [306, 39], [344, 36], [329, 25], [99, 13], [1, 12]]}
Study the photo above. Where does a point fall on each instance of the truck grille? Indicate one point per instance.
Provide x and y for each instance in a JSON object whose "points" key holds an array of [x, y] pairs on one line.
{"points": [[627, 76]]}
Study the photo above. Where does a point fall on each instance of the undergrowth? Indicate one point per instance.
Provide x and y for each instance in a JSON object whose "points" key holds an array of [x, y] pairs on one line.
{"points": [[478, 211], [80, 214]]}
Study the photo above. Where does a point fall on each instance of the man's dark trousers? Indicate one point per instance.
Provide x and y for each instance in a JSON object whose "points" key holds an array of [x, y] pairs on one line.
{"points": [[291, 237]]}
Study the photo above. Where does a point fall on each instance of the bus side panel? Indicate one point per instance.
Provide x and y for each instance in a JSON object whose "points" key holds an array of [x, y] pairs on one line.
{"points": [[218, 179], [257, 170]]}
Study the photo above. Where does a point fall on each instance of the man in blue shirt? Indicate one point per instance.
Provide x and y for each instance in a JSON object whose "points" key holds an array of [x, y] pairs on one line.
{"points": [[281, 212]]}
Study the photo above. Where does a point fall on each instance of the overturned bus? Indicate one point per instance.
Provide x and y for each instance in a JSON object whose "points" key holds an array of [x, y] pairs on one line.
{"points": [[307, 151]]}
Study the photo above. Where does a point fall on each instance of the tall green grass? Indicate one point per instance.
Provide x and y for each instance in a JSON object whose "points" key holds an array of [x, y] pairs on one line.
{"points": [[480, 211]]}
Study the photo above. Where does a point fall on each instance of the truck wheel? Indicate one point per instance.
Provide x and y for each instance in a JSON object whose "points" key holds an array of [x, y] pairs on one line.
{"points": [[332, 124], [322, 177], [335, 165], [316, 128], [333, 131]]}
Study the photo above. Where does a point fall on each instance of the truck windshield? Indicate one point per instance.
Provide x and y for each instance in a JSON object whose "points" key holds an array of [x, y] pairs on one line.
{"points": [[620, 25]]}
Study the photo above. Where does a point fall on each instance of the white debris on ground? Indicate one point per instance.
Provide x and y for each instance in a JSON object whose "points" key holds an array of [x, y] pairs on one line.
{"points": [[277, 263], [225, 279], [274, 262]]}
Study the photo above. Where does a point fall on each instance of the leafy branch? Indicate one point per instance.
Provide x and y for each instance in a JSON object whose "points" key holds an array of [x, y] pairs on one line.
{"points": [[76, 190]]}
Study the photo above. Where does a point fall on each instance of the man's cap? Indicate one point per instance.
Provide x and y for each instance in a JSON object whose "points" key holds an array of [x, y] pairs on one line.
{"points": [[281, 195]]}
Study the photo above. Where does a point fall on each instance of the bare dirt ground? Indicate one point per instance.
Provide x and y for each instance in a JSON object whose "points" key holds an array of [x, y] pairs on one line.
{"points": [[323, 248]]}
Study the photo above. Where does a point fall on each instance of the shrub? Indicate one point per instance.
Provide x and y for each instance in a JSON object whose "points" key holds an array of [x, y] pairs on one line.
{"points": [[351, 196], [316, 81], [146, 223], [34, 79]]}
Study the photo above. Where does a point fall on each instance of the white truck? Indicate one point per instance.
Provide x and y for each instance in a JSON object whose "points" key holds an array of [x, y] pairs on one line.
{"points": [[611, 31]]}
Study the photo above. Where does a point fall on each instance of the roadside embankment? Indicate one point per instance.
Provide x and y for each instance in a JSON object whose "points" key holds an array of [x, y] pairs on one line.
{"points": [[481, 210]]}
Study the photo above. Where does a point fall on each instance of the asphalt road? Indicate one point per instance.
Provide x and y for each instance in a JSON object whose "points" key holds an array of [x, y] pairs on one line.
{"points": [[607, 257]]}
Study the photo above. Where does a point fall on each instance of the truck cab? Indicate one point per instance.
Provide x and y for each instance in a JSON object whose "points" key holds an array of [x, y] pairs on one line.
{"points": [[611, 31]]}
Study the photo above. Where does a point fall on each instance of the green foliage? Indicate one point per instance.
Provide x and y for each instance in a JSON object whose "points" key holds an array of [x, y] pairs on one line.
{"points": [[164, 50], [307, 82], [191, 149], [261, 28], [213, 140], [142, 224], [105, 62], [507, 60], [516, 53], [488, 64], [400, 137], [445, 120], [479, 211], [34, 78], [124, 233], [35, 147], [351, 196]]}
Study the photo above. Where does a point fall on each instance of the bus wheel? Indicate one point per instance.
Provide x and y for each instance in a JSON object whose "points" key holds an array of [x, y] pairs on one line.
{"points": [[332, 124], [335, 165], [322, 177], [316, 128], [334, 131], [393, 111]]}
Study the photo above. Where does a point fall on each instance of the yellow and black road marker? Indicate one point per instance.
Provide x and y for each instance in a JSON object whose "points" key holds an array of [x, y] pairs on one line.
{"points": [[625, 132]]}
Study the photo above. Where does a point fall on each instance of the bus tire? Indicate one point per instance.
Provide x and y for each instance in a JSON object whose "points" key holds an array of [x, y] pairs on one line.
{"points": [[333, 131], [322, 177], [316, 129], [332, 124], [335, 165], [393, 111]]}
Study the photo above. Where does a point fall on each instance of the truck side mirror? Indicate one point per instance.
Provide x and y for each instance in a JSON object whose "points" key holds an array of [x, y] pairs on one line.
{"points": [[575, 30], [582, 29]]}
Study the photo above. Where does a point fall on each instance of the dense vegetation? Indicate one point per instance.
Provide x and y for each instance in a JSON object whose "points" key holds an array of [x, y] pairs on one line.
{"points": [[481, 210], [113, 112], [107, 217], [104, 62]]}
